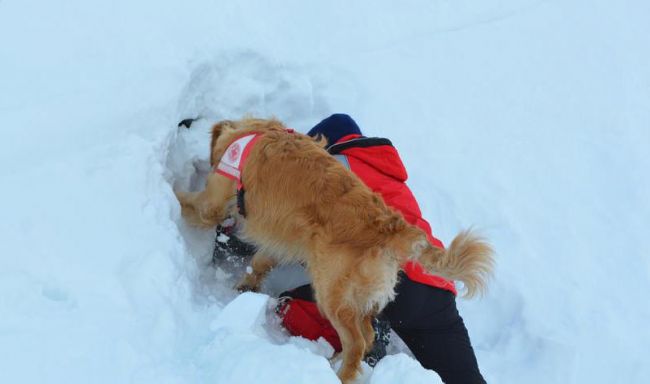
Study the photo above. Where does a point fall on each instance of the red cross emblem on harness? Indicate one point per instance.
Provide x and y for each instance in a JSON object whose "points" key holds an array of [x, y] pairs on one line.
{"points": [[234, 151]]}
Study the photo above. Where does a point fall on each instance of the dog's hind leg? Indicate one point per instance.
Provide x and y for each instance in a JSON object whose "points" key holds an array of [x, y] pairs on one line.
{"points": [[347, 321], [368, 332], [261, 265]]}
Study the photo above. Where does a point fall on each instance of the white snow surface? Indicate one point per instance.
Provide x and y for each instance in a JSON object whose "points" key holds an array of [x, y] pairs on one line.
{"points": [[529, 119]]}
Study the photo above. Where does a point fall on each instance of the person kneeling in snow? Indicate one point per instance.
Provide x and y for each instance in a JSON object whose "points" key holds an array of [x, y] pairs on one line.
{"points": [[424, 313]]}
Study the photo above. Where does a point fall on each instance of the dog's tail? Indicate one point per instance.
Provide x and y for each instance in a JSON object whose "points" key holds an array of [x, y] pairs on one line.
{"points": [[469, 259]]}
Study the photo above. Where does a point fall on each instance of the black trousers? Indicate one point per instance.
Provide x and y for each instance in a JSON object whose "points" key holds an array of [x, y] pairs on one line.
{"points": [[427, 320]]}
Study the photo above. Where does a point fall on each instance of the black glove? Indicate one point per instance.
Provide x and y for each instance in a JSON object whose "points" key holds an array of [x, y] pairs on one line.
{"points": [[228, 247]]}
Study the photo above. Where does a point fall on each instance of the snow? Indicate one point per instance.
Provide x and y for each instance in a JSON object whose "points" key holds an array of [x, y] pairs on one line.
{"points": [[400, 368], [223, 238], [528, 119], [240, 351]]}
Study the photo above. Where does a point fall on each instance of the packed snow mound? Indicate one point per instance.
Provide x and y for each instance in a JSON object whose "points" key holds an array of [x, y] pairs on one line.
{"points": [[244, 83], [401, 368], [527, 118], [241, 351]]}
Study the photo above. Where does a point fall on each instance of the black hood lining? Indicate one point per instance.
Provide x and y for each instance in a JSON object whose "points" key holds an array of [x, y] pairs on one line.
{"points": [[361, 142]]}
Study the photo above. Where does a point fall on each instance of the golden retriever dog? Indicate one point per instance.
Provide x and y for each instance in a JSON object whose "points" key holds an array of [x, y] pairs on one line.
{"points": [[302, 205]]}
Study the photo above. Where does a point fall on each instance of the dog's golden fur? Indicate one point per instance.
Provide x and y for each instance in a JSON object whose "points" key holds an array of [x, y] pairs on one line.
{"points": [[303, 206]]}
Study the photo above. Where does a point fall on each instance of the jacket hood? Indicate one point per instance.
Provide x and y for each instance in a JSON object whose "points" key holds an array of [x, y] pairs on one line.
{"points": [[383, 158]]}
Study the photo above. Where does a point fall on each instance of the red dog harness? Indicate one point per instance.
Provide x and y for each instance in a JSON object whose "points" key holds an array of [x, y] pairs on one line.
{"points": [[231, 164]]}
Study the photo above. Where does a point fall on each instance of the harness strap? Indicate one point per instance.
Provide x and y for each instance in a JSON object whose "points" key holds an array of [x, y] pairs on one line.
{"points": [[232, 163]]}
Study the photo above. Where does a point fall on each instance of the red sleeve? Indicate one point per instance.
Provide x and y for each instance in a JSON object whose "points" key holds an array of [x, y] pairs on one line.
{"points": [[302, 318]]}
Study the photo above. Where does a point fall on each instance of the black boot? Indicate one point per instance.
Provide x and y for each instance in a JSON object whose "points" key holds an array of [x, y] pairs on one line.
{"points": [[382, 338], [228, 248]]}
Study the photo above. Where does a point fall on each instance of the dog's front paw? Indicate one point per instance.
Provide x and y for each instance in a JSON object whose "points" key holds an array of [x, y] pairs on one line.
{"points": [[183, 197], [241, 288], [189, 210], [248, 284]]}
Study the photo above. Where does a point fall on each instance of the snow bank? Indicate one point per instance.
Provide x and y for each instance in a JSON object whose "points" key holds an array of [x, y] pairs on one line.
{"points": [[400, 368], [526, 118], [241, 351]]}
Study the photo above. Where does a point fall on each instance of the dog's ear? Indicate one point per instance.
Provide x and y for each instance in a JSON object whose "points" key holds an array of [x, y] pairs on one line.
{"points": [[320, 140], [217, 130]]}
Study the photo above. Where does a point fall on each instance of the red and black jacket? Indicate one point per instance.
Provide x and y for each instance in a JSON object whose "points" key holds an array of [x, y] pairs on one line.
{"points": [[377, 163]]}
